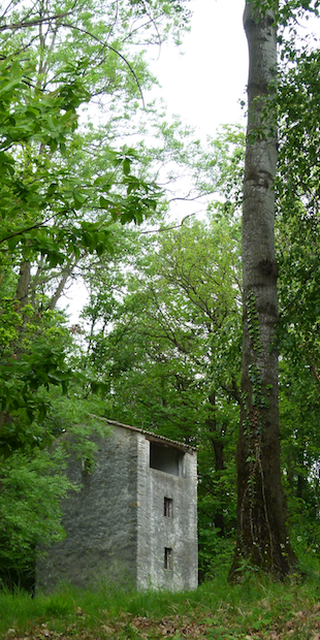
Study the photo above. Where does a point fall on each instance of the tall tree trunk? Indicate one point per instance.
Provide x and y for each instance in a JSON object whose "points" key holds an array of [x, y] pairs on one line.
{"points": [[22, 291], [65, 275], [217, 444], [261, 514]]}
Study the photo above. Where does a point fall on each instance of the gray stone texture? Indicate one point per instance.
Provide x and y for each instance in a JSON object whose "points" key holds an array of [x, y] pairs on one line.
{"points": [[116, 530]]}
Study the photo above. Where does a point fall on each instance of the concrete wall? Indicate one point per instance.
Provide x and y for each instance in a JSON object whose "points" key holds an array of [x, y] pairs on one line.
{"points": [[156, 531]]}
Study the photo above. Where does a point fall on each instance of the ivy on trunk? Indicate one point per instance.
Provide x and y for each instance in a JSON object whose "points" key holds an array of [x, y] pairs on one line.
{"points": [[262, 539]]}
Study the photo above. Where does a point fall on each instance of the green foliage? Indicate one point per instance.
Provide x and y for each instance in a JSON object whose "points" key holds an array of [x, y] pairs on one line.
{"points": [[288, 12], [64, 188], [163, 346], [253, 322], [31, 200], [298, 256], [31, 490], [33, 358], [54, 204], [215, 551], [163, 351]]}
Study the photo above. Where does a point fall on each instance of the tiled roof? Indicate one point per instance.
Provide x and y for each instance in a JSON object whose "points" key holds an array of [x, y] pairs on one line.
{"points": [[149, 434]]}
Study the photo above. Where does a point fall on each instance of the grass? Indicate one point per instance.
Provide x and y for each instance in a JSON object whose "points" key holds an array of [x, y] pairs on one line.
{"points": [[257, 608]]}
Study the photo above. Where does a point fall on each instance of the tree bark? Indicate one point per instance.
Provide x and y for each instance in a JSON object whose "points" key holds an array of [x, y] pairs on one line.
{"points": [[22, 291], [261, 511], [217, 444], [65, 275]]}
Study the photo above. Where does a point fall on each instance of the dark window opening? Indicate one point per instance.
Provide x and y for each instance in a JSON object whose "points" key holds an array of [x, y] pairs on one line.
{"points": [[165, 458], [167, 507], [168, 558]]}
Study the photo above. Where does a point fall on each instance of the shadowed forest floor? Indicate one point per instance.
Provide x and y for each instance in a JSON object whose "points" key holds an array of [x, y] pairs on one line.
{"points": [[304, 624], [255, 609]]}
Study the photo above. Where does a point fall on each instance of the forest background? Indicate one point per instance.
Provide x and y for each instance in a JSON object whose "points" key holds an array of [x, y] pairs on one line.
{"points": [[90, 171]]}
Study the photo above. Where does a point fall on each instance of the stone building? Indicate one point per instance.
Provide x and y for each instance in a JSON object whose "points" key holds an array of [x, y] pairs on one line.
{"points": [[134, 519]]}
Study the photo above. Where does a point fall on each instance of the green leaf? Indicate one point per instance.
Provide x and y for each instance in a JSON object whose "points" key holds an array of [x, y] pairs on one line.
{"points": [[104, 203], [79, 200], [126, 166]]}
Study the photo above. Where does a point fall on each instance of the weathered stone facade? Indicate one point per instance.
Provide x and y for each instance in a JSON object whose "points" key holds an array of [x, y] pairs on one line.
{"points": [[134, 519]]}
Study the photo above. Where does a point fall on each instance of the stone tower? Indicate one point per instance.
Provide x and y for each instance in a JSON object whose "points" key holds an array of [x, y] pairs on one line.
{"points": [[134, 519]]}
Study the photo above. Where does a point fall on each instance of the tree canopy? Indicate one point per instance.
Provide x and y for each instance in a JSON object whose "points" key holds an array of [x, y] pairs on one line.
{"points": [[89, 171]]}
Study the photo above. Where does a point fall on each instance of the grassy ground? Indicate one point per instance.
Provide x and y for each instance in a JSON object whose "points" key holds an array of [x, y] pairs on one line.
{"points": [[255, 609]]}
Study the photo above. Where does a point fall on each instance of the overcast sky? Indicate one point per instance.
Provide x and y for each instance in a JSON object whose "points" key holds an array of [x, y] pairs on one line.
{"points": [[205, 84], [203, 81]]}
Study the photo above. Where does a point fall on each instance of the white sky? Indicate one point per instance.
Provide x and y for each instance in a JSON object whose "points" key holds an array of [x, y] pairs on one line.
{"points": [[205, 84]]}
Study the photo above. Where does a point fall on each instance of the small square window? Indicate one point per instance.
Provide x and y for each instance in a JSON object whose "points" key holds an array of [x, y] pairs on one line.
{"points": [[168, 558], [167, 507]]}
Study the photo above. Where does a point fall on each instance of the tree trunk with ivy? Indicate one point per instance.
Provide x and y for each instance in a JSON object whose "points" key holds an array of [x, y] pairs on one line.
{"points": [[262, 540]]}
